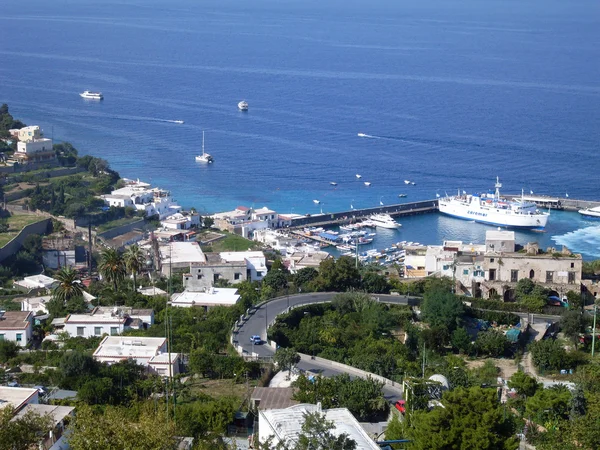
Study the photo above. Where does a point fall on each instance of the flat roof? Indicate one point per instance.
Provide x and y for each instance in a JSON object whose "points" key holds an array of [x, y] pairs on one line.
{"points": [[36, 281], [151, 291], [129, 347], [15, 320], [288, 422], [163, 358], [214, 297], [241, 256], [58, 413], [500, 235], [182, 252], [17, 397], [273, 397]]}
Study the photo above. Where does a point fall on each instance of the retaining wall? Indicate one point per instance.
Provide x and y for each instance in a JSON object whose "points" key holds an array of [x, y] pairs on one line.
{"points": [[117, 231], [15, 244]]}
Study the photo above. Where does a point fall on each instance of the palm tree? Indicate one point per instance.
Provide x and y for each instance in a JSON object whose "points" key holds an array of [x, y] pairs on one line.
{"points": [[134, 261], [69, 285], [112, 266]]}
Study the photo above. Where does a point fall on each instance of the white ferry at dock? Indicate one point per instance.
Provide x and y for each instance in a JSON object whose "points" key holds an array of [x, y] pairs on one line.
{"points": [[494, 210]]}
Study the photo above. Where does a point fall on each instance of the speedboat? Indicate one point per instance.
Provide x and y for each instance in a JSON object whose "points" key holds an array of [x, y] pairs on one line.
{"points": [[178, 121], [593, 213], [402, 195], [358, 176], [367, 183], [204, 157], [333, 183], [92, 95], [412, 183], [384, 221], [243, 105], [406, 181], [316, 202]]}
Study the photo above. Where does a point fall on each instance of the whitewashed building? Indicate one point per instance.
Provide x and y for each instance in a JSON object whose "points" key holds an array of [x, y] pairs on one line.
{"points": [[181, 221], [36, 282], [16, 326], [142, 197], [110, 321], [206, 299], [18, 397]]}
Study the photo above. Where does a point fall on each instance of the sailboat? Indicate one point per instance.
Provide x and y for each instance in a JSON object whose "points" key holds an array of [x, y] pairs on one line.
{"points": [[380, 202], [204, 157]]}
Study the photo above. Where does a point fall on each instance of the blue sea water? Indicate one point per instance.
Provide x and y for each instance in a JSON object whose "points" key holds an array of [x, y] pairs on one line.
{"points": [[451, 92]]}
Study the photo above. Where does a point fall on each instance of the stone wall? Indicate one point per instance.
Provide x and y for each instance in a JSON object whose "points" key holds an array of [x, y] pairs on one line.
{"points": [[15, 244]]}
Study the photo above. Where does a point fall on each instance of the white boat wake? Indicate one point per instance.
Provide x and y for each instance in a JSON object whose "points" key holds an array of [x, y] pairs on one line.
{"points": [[584, 240], [363, 135]]}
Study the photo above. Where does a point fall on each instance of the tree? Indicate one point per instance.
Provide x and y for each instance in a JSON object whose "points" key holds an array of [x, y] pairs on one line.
{"points": [[305, 276], [337, 275], [118, 428], [208, 222], [112, 266], [69, 285], [24, 432], [548, 354], [461, 340], [275, 279], [134, 262], [375, 283], [492, 343], [75, 368], [575, 300], [548, 404], [286, 358], [470, 419], [573, 323], [442, 308], [524, 287], [525, 385], [33, 244], [8, 350], [317, 435]]}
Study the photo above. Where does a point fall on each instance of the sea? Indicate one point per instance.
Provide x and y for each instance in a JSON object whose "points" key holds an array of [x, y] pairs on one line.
{"points": [[446, 93]]}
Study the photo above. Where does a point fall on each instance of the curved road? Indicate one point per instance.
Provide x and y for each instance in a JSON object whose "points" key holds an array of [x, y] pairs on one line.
{"points": [[259, 318]]}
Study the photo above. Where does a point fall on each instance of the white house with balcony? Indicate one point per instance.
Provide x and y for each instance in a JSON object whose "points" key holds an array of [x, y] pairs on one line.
{"points": [[144, 198], [110, 321], [181, 221]]}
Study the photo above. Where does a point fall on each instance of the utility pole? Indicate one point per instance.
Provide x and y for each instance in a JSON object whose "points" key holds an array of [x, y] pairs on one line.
{"points": [[594, 330]]}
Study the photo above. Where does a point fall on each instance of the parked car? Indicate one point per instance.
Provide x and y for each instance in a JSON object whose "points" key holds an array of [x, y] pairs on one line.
{"points": [[255, 339], [401, 406]]}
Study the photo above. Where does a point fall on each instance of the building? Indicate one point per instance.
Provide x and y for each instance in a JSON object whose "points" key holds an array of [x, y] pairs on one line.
{"points": [[33, 146], [299, 260], [180, 255], [110, 321], [285, 425], [147, 351], [18, 397], [28, 134], [246, 221], [415, 261], [233, 267], [56, 438], [181, 221], [206, 299], [40, 304], [16, 326], [265, 398], [142, 197], [39, 283]]}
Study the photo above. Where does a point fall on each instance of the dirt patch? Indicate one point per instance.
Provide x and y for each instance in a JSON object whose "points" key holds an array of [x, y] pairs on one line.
{"points": [[507, 366]]}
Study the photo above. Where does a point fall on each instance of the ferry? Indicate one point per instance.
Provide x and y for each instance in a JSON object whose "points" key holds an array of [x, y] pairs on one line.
{"points": [[492, 209], [384, 221], [592, 213], [92, 95]]}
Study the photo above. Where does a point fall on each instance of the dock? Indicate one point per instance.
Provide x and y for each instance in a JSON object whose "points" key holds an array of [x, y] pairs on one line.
{"points": [[558, 203], [354, 215]]}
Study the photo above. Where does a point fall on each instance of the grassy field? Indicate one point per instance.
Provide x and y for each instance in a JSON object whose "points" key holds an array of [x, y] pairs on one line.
{"points": [[232, 243], [220, 388], [16, 223]]}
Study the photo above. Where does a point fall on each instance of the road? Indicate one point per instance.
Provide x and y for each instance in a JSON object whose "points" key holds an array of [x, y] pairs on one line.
{"points": [[264, 315]]}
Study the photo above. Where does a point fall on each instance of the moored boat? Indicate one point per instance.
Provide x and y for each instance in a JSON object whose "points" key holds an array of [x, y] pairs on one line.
{"points": [[592, 213]]}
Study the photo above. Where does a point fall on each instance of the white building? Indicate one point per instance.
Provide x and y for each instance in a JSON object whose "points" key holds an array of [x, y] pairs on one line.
{"points": [[178, 255], [16, 326], [247, 221], [55, 438], [40, 304], [256, 263], [298, 260], [139, 195], [147, 351], [181, 221], [206, 299], [285, 425], [111, 321], [18, 397], [30, 133], [36, 282]]}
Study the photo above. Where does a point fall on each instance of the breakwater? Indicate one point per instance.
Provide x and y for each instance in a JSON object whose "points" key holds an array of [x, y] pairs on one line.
{"points": [[398, 210]]}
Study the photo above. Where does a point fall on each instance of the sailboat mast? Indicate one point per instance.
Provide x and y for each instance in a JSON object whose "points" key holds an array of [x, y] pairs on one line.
{"points": [[202, 142]]}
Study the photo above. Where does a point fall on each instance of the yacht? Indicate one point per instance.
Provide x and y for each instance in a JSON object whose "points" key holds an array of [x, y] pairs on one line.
{"points": [[367, 183], [494, 210], [406, 181], [204, 157], [243, 105], [92, 95], [402, 195], [384, 221], [593, 213]]}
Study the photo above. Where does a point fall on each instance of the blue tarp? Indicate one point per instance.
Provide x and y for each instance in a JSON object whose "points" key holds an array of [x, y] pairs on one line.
{"points": [[329, 236]]}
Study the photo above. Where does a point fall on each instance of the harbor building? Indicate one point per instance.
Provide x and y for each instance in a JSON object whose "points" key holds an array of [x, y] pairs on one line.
{"points": [[285, 425], [16, 326]]}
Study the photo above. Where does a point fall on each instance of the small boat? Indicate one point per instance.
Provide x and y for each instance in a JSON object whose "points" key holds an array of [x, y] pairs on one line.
{"points": [[333, 183], [412, 183], [92, 95], [178, 121], [316, 202], [402, 195], [406, 181], [358, 176], [362, 135], [204, 157], [593, 213], [367, 183], [243, 105]]}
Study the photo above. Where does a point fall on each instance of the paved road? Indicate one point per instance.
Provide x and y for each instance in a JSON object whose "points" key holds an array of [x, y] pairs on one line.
{"points": [[263, 316]]}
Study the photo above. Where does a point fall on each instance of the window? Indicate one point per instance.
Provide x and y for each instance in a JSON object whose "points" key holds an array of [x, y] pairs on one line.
{"points": [[19, 337], [514, 276], [492, 274], [531, 274], [1, 337], [465, 271], [199, 276], [445, 267], [571, 277], [549, 276], [97, 331], [216, 276], [237, 276], [572, 265], [114, 330], [80, 331], [491, 260]]}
